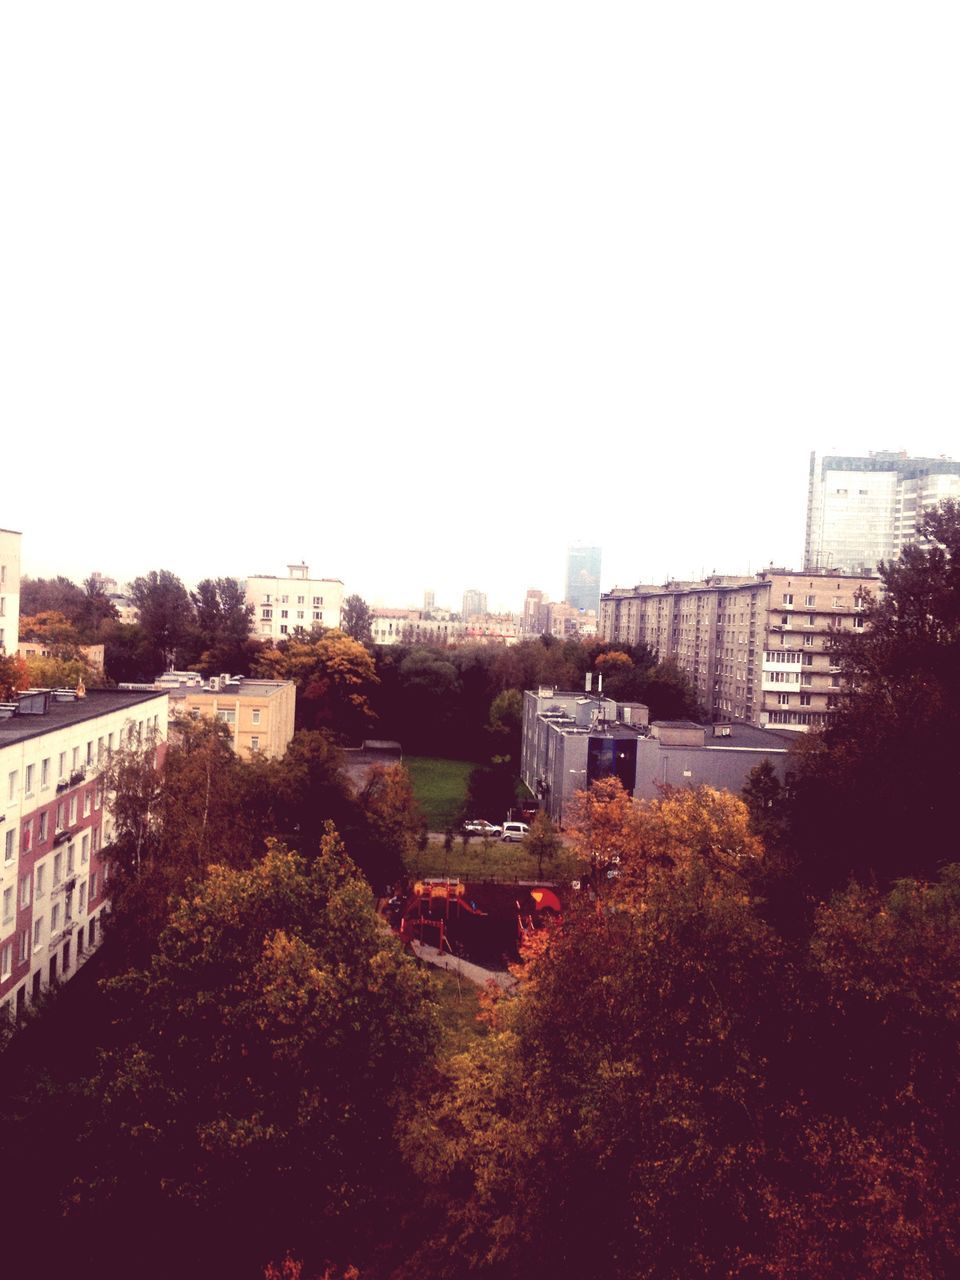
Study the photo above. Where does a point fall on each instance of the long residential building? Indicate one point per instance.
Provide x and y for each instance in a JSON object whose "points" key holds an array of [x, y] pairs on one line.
{"points": [[756, 649], [54, 827]]}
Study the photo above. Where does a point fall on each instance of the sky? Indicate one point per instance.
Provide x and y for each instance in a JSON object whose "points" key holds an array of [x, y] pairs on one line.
{"points": [[423, 293]]}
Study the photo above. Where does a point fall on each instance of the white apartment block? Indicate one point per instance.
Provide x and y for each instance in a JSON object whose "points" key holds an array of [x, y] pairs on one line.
{"points": [[282, 606], [55, 828], [9, 591], [861, 510]]}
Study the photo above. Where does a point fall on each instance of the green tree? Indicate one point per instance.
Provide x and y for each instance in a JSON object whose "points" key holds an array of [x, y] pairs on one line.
{"points": [[543, 841], [223, 617], [873, 794], [356, 619], [166, 616]]}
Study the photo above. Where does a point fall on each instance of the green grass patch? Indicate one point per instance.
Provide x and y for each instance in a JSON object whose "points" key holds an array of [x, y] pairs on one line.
{"points": [[458, 1001], [440, 787], [486, 860]]}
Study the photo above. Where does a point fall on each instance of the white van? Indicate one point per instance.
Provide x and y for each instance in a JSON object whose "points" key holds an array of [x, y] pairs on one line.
{"points": [[514, 831]]}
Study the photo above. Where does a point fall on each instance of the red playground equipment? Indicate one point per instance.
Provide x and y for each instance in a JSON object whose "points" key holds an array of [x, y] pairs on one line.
{"points": [[434, 899]]}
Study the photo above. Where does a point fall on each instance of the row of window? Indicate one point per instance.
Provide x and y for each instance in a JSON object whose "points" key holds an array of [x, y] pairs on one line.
{"points": [[34, 884], [66, 815], [316, 601], [15, 1003], [44, 779]]}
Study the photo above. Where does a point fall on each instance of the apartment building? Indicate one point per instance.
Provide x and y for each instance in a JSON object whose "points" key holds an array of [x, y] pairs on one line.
{"points": [[54, 827], [756, 649], [259, 713], [861, 510], [571, 739], [282, 606], [9, 590]]}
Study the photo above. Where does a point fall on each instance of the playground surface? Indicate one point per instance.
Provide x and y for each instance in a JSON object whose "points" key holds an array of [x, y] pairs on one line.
{"points": [[475, 973]]}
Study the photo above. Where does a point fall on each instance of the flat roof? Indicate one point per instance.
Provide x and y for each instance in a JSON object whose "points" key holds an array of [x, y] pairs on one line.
{"points": [[246, 689], [61, 715]]}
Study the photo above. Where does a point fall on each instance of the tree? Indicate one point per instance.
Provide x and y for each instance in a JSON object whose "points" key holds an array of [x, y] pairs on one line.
{"points": [[543, 840], [602, 828], [223, 617], [873, 795], [166, 615], [335, 677], [249, 1099], [51, 628], [356, 619], [13, 676], [60, 673]]}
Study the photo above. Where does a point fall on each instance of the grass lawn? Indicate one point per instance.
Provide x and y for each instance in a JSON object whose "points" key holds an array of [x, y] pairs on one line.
{"points": [[486, 860], [440, 787]]}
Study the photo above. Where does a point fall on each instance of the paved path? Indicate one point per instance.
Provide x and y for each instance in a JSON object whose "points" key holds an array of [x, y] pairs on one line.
{"points": [[466, 968]]}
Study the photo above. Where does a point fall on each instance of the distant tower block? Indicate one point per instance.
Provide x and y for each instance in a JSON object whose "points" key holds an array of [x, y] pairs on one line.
{"points": [[583, 578], [429, 601]]}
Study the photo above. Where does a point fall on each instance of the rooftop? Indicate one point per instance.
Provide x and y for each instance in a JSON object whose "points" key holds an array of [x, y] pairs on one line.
{"points": [[62, 714], [239, 688]]}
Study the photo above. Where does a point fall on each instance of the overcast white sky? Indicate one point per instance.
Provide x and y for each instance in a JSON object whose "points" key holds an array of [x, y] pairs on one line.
{"points": [[421, 293]]}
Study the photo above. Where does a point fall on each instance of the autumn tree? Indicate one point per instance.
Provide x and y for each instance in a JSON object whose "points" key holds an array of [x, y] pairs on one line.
{"points": [[335, 678], [13, 675], [248, 1102]]}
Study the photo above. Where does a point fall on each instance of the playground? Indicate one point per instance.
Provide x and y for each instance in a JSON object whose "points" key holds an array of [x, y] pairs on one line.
{"points": [[481, 922]]}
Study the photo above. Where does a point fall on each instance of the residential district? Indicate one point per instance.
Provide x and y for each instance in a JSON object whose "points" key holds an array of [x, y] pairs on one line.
{"points": [[658, 698]]}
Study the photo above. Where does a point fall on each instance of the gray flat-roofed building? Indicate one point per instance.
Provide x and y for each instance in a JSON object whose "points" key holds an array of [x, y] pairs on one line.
{"points": [[570, 740]]}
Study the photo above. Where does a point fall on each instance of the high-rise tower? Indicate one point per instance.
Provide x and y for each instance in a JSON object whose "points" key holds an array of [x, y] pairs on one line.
{"points": [[583, 578]]}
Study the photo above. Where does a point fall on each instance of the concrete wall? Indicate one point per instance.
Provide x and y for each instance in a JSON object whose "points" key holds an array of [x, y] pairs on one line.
{"points": [[725, 768]]}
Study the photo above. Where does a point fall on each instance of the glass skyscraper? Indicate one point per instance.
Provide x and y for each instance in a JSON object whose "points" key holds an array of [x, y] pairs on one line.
{"points": [[583, 578], [863, 510]]}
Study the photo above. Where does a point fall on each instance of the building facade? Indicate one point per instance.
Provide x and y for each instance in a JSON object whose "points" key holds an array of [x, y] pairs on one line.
{"points": [[259, 713], [757, 650], [9, 591], [583, 578], [55, 827], [282, 606], [861, 510], [570, 740]]}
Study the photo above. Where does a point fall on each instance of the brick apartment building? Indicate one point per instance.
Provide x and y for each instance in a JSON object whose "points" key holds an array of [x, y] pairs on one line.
{"points": [[54, 827]]}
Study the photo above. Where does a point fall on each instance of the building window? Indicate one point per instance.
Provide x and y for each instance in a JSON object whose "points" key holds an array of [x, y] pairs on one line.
{"points": [[28, 780], [805, 700], [6, 961], [810, 601], [57, 868], [256, 715], [8, 904], [27, 841], [44, 773], [41, 876], [24, 950], [858, 622], [62, 765], [787, 598], [75, 758], [283, 629], [90, 752], [254, 744], [93, 885], [85, 849], [73, 810], [55, 917], [807, 640], [783, 699], [25, 891], [284, 613], [284, 599], [227, 715], [266, 614], [8, 846], [317, 602], [83, 896], [12, 777], [37, 931]]}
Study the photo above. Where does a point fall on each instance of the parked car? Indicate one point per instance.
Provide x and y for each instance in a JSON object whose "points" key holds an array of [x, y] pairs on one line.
{"points": [[480, 827], [514, 831]]}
